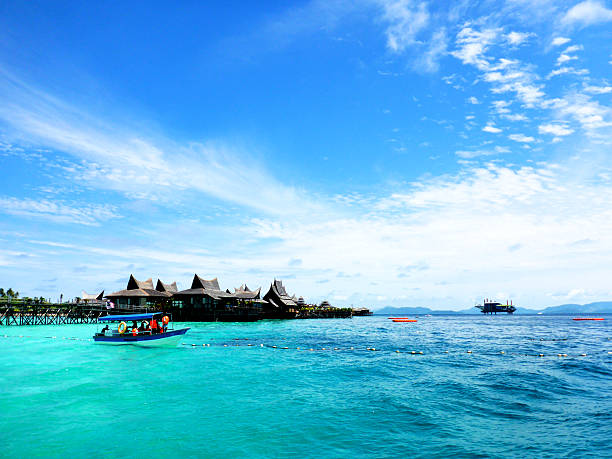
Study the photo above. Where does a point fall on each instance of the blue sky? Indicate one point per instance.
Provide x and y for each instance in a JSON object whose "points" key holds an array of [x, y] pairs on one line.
{"points": [[366, 152]]}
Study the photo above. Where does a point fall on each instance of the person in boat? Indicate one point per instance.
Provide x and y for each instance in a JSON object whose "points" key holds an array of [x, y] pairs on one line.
{"points": [[153, 325], [104, 330]]}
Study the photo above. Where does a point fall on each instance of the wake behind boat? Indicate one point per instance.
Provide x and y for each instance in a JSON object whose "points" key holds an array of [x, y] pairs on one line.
{"points": [[154, 330]]}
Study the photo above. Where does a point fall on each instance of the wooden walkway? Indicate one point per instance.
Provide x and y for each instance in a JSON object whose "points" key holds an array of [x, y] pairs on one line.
{"points": [[53, 314]]}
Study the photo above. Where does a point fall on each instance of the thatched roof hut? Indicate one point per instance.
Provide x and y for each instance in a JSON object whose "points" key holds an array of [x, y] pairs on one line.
{"points": [[277, 296]]}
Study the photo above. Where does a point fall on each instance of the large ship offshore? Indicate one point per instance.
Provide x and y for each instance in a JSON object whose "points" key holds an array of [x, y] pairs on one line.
{"points": [[493, 307]]}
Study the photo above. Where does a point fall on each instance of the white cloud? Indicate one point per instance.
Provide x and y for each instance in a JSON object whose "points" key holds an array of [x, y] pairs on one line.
{"points": [[558, 41], [517, 38], [587, 13], [586, 111], [565, 58], [406, 21], [58, 211], [558, 130], [567, 70], [598, 89], [437, 46], [515, 117], [521, 138], [573, 48], [472, 45], [473, 100], [492, 129], [113, 156]]}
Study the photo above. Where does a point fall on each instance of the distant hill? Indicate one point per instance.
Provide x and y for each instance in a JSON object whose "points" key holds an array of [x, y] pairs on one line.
{"points": [[599, 307]]}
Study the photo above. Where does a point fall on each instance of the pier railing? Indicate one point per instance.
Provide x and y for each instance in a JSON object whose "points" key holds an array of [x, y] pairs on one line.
{"points": [[52, 314]]}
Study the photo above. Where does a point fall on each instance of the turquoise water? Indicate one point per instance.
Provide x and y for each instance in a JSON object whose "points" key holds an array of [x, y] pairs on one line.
{"points": [[69, 397]]}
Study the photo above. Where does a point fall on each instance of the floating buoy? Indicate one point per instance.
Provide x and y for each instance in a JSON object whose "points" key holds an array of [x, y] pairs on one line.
{"points": [[352, 348], [583, 355], [502, 352], [540, 355], [336, 349], [397, 352], [469, 352], [261, 345], [311, 349], [193, 344], [273, 347], [420, 352], [298, 348], [446, 352], [284, 348], [413, 352]]}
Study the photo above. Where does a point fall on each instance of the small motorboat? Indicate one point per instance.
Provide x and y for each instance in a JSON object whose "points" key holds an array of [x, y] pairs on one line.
{"points": [[154, 330]]}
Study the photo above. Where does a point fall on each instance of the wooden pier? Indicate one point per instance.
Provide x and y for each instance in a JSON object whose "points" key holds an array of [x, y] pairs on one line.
{"points": [[52, 314]]}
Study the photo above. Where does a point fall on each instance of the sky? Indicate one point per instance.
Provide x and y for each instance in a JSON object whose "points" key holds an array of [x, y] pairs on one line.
{"points": [[368, 152]]}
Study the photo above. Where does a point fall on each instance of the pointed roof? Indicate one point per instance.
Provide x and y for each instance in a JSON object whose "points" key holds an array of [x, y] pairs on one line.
{"points": [[277, 295], [245, 293], [204, 287], [198, 282], [136, 288], [168, 288], [134, 284], [92, 296]]}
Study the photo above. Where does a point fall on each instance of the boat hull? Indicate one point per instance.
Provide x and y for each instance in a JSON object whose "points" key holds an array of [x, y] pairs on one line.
{"points": [[168, 339]]}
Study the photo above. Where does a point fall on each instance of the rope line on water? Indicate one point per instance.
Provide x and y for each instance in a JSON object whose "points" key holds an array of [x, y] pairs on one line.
{"points": [[335, 349]]}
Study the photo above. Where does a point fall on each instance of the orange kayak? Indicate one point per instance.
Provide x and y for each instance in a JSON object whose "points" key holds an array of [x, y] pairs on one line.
{"points": [[588, 318], [404, 320]]}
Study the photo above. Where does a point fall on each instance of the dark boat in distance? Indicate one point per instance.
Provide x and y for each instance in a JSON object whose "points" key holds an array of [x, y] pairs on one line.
{"points": [[493, 307]]}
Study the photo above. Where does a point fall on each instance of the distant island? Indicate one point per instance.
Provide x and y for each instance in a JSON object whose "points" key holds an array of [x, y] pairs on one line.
{"points": [[599, 307]]}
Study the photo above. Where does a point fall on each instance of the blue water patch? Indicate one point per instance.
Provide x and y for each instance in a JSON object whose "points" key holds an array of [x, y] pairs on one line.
{"points": [[468, 386]]}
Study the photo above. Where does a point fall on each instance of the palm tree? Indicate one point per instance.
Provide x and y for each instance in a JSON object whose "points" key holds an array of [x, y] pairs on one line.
{"points": [[16, 294], [10, 292], [2, 294]]}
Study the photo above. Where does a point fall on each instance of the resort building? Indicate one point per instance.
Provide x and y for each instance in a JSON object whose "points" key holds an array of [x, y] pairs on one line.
{"points": [[279, 301], [140, 294], [204, 294], [91, 297]]}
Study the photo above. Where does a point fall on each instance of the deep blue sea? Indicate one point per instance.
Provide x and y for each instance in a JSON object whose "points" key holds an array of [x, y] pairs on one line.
{"points": [[68, 397]]}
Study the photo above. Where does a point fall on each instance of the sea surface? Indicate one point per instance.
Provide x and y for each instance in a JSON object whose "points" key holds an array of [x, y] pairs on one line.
{"points": [[325, 395]]}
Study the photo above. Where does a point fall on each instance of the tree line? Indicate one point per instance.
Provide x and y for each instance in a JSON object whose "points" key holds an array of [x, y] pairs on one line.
{"points": [[12, 294]]}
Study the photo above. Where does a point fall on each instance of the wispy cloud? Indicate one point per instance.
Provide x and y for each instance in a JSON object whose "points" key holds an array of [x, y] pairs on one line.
{"points": [[406, 20], [587, 13], [521, 138], [558, 130], [59, 212], [492, 129], [114, 156], [559, 41]]}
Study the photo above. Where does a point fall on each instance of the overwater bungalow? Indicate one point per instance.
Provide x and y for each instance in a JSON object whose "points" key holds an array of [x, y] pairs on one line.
{"points": [[139, 294], [206, 301], [92, 297], [204, 294], [278, 302]]}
